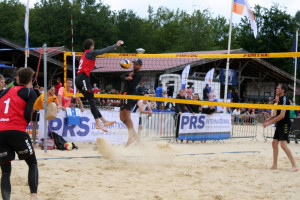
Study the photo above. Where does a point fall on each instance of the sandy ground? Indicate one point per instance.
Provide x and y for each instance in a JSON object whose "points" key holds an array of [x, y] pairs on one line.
{"points": [[235, 169]]}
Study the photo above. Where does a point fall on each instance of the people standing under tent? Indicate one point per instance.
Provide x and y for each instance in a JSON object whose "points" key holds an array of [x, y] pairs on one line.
{"points": [[83, 83], [282, 120], [2, 83], [206, 93], [58, 85], [131, 80], [16, 107], [235, 96], [159, 93], [65, 101], [229, 95], [179, 109], [140, 108]]}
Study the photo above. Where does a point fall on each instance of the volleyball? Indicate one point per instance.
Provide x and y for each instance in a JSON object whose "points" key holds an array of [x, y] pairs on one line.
{"points": [[68, 146], [125, 64]]}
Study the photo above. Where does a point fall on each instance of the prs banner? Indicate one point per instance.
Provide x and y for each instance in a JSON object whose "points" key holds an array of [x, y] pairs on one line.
{"points": [[86, 132], [204, 127]]}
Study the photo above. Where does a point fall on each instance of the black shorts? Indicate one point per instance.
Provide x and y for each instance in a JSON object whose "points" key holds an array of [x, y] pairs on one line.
{"points": [[83, 83], [282, 132], [127, 104], [12, 142], [35, 116]]}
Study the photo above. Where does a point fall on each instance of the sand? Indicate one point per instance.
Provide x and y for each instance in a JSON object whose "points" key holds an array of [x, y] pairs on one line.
{"points": [[233, 169]]}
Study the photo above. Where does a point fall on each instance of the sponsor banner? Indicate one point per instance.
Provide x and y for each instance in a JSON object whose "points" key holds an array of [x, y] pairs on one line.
{"points": [[86, 132], [204, 127]]}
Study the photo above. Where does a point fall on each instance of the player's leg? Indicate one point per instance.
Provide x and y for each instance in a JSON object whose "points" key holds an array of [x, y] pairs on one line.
{"points": [[5, 180], [275, 153], [33, 175], [132, 134], [289, 154], [84, 86]]}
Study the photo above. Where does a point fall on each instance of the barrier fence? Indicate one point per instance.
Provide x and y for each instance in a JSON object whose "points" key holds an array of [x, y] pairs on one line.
{"points": [[244, 126]]}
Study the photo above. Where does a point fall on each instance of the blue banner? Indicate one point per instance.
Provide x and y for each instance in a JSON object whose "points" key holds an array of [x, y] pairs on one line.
{"points": [[232, 77]]}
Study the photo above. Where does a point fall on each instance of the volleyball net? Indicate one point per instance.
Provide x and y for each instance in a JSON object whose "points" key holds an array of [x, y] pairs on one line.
{"points": [[175, 63]]}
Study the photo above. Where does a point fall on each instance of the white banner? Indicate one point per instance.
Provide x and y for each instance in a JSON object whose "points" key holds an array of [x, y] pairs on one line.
{"points": [[86, 132], [184, 76], [202, 123], [209, 77]]}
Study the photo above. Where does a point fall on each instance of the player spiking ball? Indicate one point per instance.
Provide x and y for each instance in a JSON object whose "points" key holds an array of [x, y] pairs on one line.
{"points": [[83, 83]]}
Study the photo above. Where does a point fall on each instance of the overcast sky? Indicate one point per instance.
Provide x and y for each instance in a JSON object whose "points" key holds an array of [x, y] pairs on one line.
{"points": [[217, 7]]}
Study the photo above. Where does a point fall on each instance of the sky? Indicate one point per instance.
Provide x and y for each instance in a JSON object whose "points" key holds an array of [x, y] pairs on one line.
{"points": [[217, 7]]}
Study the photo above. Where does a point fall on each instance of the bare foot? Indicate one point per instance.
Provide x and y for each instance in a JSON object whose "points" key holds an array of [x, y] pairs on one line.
{"points": [[294, 169], [34, 196], [101, 128], [130, 141], [109, 123], [273, 167]]}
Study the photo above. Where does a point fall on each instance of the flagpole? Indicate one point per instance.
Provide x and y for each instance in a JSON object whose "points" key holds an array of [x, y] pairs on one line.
{"points": [[228, 52], [295, 73]]}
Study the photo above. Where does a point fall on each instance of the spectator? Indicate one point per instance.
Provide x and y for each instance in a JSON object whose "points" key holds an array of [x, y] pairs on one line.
{"points": [[244, 97], [65, 101], [159, 93], [229, 95], [170, 91], [140, 108], [151, 91], [95, 89], [39, 105], [179, 109], [235, 96], [236, 114], [58, 85], [41, 90], [189, 93], [206, 93], [211, 96], [2, 83], [114, 102], [196, 108], [141, 89], [153, 105]]}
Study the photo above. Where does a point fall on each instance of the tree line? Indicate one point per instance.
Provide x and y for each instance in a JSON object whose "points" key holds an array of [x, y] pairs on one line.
{"points": [[162, 31]]}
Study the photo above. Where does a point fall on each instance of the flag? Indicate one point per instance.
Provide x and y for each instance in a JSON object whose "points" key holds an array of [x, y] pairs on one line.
{"points": [[26, 23], [209, 78], [232, 77], [294, 49], [242, 7], [184, 76]]}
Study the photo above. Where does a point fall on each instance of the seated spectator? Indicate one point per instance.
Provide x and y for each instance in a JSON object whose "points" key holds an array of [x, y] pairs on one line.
{"points": [[114, 102], [58, 85], [153, 105], [65, 101], [236, 114], [95, 89], [209, 110]]}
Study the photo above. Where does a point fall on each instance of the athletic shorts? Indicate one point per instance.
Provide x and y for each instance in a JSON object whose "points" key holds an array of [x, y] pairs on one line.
{"points": [[35, 116], [282, 132], [12, 142], [140, 120], [83, 83], [127, 104]]}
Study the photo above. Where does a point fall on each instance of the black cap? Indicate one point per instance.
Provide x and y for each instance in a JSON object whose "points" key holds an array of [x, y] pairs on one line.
{"points": [[138, 61]]}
